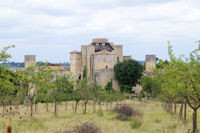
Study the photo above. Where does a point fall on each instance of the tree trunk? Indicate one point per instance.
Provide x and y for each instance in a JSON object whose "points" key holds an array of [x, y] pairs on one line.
{"points": [[106, 106], [85, 107], [171, 107], [175, 108], [99, 106], [35, 107], [55, 108], [3, 109], [76, 106], [185, 111], [94, 106], [31, 109], [111, 106], [195, 121], [47, 107], [181, 110], [66, 105]]}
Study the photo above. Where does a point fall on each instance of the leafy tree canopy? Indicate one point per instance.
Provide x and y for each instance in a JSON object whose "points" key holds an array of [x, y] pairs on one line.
{"points": [[128, 73]]}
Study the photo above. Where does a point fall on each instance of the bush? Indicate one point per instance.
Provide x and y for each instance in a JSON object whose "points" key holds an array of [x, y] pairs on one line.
{"points": [[100, 114], [123, 118], [86, 127], [127, 111], [157, 120], [135, 123], [139, 97], [124, 110]]}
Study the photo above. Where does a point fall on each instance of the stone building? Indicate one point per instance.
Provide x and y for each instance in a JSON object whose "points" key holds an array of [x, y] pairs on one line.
{"points": [[150, 64], [98, 59], [150, 61], [29, 60]]}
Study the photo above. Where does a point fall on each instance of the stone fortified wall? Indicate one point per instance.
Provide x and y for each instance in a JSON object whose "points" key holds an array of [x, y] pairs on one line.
{"points": [[150, 61], [30, 60]]}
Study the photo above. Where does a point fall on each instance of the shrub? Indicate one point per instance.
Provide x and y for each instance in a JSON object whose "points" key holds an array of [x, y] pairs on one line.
{"points": [[100, 114], [139, 97], [86, 127], [123, 118], [135, 123], [173, 126], [127, 111], [157, 120], [124, 110]]}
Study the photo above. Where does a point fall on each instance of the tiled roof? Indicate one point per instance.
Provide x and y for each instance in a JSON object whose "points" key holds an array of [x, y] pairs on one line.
{"points": [[100, 40], [75, 52]]}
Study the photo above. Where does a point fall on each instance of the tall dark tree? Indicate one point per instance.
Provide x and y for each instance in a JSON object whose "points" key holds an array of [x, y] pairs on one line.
{"points": [[128, 74]]}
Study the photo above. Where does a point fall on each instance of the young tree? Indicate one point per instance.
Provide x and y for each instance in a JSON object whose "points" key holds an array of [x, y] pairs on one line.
{"points": [[9, 86], [182, 78], [76, 94], [150, 85], [60, 88], [85, 88], [95, 89], [4, 55], [31, 80]]}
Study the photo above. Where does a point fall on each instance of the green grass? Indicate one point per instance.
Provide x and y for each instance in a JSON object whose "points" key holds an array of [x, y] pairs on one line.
{"points": [[135, 123], [154, 120]]}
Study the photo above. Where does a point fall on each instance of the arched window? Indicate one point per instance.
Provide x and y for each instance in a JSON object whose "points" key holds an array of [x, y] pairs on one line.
{"points": [[79, 76]]}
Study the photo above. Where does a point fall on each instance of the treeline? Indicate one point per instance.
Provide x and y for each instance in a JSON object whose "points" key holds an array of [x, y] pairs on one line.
{"points": [[176, 81], [21, 64]]}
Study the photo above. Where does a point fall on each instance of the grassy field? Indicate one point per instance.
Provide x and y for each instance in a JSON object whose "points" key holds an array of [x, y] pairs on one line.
{"points": [[154, 120]]}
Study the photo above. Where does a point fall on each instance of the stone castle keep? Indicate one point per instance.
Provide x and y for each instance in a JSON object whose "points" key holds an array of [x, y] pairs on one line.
{"points": [[98, 58]]}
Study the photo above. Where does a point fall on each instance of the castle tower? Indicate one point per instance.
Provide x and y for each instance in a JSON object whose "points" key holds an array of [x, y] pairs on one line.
{"points": [[150, 61], [30, 60], [75, 64]]}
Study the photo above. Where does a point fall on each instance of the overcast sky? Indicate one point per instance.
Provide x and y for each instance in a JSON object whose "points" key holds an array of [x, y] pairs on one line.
{"points": [[50, 29]]}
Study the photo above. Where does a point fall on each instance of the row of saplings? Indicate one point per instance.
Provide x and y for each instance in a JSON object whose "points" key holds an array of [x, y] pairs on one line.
{"points": [[124, 113]]}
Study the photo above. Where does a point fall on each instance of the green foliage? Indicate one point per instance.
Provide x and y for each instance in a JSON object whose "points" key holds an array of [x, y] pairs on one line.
{"points": [[135, 123], [139, 97], [62, 88], [108, 86], [99, 113], [150, 85], [128, 73], [9, 86], [157, 120], [160, 64], [123, 118], [3, 55], [76, 94], [125, 88]]}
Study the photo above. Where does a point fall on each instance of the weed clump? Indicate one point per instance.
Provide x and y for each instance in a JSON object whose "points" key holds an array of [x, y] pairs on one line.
{"points": [[135, 123], [100, 114], [126, 110], [157, 120], [86, 127], [123, 118]]}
